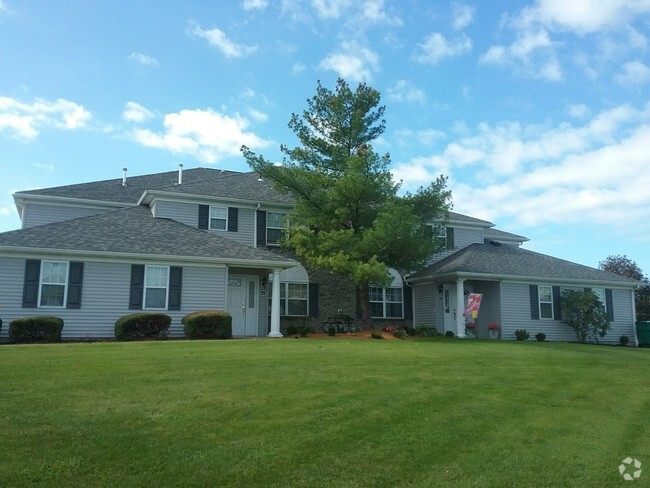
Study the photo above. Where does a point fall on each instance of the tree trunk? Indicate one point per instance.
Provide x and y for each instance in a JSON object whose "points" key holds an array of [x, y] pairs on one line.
{"points": [[364, 305]]}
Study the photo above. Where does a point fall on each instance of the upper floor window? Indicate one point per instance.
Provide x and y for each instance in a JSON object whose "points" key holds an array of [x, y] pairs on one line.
{"points": [[218, 218], [387, 303], [156, 284], [54, 279], [545, 294], [274, 227], [443, 236]]}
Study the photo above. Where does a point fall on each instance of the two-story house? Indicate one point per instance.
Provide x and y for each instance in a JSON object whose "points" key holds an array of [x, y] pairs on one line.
{"points": [[183, 241]]}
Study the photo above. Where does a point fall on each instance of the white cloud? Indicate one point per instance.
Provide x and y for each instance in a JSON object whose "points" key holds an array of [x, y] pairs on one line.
{"points": [[204, 134], [579, 111], [373, 12], [634, 73], [353, 62], [425, 137], [217, 38], [436, 48], [46, 167], [143, 59], [330, 9], [463, 15], [532, 52], [404, 91], [24, 120], [257, 115], [255, 4], [592, 173], [297, 68], [582, 16], [134, 112]]}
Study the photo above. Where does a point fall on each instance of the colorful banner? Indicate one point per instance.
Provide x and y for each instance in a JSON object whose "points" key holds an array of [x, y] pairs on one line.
{"points": [[473, 305]]}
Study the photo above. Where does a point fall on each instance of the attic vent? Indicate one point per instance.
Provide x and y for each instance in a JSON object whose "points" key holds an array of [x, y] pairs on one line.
{"points": [[124, 176]]}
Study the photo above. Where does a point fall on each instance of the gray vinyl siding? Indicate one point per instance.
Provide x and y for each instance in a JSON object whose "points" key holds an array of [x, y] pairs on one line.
{"points": [[516, 315], [463, 237], [188, 214], [40, 214], [105, 297], [425, 298]]}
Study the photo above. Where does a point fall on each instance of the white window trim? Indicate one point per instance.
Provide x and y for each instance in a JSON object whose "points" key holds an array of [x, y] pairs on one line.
{"points": [[166, 288], [284, 285], [220, 218], [602, 296], [385, 302], [267, 227], [539, 302], [65, 284]]}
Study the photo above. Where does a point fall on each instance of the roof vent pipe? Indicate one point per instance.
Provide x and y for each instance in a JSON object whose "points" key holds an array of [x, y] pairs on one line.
{"points": [[180, 174], [123, 176]]}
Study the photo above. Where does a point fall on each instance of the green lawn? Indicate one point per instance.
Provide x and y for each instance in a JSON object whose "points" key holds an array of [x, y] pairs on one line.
{"points": [[322, 413]]}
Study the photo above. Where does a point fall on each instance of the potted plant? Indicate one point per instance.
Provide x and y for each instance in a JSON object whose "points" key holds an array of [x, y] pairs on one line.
{"points": [[470, 327], [493, 330]]}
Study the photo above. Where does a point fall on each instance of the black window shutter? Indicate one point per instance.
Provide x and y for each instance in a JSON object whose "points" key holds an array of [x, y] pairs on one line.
{"points": [[137, 287], [30, 287], [233, 217], [408, 302], [557, 303], [75, 281], [450, 238], [313, 299], [204, 216], [609, 304], [175, 285], [534, 302], [261, 228]]}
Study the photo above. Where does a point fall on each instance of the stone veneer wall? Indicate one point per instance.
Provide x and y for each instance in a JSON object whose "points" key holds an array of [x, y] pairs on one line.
{"points": [[335, 292]]}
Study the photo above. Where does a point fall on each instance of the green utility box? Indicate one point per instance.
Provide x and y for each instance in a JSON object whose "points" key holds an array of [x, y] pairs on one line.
{"points": [[643, 333]]}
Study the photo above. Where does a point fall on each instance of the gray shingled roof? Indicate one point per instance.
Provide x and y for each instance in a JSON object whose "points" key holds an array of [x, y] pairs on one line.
{"points": [[133, 230], [241, 186], [499, 234], [456, 217], [113, 191], [505, 261]]}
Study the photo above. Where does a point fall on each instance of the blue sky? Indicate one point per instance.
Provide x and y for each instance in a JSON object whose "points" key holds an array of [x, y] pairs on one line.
{"points": [[537, 111]]}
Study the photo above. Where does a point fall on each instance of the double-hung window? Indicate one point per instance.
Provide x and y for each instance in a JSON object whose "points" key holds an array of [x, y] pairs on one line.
{"points": [[274, 227], [386, 303], [218, 218], [156, 285], [294, 299], [545, 302], [600, 293], [53, 286]]}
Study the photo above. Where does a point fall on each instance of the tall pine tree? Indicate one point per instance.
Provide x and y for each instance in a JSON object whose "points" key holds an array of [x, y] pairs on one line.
{"points": [[349, 217]]}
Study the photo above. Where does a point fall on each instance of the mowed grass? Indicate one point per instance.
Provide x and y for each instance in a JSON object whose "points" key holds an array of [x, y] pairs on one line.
{"points": [[322, 413]]}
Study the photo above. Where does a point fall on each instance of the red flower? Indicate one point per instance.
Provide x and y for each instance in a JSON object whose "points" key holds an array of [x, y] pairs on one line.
{"points": [[470, 325], [494, 326]]}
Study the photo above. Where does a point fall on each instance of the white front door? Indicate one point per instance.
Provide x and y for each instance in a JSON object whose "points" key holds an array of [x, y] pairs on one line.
{"points": [[242, 305], [449, 307]]}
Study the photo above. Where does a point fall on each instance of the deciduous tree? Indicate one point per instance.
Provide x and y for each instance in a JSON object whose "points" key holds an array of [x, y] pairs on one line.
{"points": [[348, 216], [624, 266]]}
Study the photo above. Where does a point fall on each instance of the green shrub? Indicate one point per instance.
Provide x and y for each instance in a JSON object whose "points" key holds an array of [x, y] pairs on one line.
{"points": [[376, 335], [292, 329], [399, 333], [208, 324], [143, 325], [410, 331], [624, 340], [449, 334], [540, 336], [424, 331], [522, 334], [35, 329]]}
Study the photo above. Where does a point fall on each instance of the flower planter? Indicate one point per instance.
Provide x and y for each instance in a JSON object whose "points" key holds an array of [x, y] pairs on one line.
{"points": [[471, 333], [494, 333]]}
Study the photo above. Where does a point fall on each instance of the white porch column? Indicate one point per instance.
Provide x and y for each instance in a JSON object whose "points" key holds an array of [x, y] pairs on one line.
{"points": [[460, 308], [275, 305]]}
